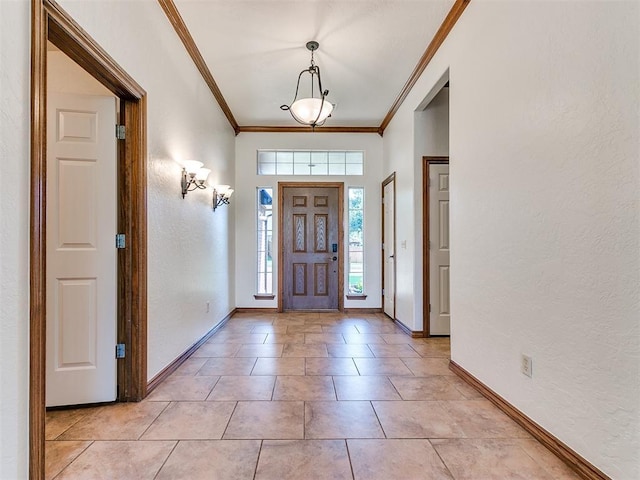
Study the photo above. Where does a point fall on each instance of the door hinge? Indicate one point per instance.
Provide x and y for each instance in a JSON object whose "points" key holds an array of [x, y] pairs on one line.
{"points": [[120, 240], [383, 292], [120, 351], [120, 132]]}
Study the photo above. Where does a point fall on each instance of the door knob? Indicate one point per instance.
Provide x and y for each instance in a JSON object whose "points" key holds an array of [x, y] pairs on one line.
{"points": [[335, 258]]}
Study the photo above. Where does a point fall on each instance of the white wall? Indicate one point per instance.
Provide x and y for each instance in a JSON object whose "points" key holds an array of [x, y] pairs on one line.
{"points": [[244, 198], [545, 234], [190, 249], [14, 237], [66, 76]]}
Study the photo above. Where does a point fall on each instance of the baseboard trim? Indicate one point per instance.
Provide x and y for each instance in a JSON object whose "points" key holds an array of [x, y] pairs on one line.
{"points": [[361, 310], [578, 464], [256, 310], [407, 330], [173, 366]]}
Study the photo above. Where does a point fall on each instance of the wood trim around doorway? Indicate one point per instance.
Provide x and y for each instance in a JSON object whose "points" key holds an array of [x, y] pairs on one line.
{"points": [[341, 206], [426, 295], [50, 22]]}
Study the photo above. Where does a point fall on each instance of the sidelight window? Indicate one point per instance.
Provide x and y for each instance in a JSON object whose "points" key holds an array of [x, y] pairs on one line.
{"points": [[265, 240], [356, 241]]}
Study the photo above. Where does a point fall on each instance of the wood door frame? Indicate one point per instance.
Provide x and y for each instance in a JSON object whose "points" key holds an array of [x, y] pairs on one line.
{"points": [[387, 181], [426, 293], [340, 187], [50, 22]]}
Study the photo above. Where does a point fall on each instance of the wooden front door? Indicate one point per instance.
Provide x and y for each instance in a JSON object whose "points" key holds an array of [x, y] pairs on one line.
{"points": [[310, 238]]}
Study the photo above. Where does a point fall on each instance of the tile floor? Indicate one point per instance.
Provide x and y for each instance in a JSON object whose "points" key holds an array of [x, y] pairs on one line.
{"points": [[302, 396]]}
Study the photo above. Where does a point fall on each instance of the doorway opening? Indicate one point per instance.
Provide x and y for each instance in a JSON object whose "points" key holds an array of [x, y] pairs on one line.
{"points": [[389, 247], [435, 224], [310, 261], [51, 23]]}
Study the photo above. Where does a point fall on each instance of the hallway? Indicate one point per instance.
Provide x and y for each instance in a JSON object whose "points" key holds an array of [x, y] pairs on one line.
{"points": [[302, 396]]}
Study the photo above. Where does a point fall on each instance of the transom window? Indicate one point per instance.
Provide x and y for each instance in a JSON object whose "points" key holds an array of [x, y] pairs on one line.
{"points": [[310, 162]]}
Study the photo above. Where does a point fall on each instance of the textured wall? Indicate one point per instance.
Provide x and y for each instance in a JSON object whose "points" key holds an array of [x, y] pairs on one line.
{"points": [[545, 235], [14, 237], [244, 199], [190, 249]]}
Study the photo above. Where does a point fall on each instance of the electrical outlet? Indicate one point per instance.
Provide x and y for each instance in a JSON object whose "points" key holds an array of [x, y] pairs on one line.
{"points": [[208, 307], [526, 365]]}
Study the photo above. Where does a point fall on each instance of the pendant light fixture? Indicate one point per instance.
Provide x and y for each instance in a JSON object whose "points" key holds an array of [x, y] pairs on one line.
{"points": [[315, 109]]}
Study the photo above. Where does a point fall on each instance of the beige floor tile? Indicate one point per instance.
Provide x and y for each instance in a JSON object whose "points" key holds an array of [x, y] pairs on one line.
{"points": [[279, 366], [361, 338], [121, 421], [331, 366], [306, 328], [304, 388], [368, 328], [217, 350], [212, 459], [57, 421], [370, 387], [227, 366], [286, 322], [400, 338], [416, 419], [396, 350], [426, 388], [285, 338], [243, 388], [223, 337], [481, 419], [304, 350], [119, 460], [269, 329], [305, 459], [326, 338], [423, 367], [396, 459], [381, 366], [488, 459], [358, 350], [189, 367], [269, 350], [191, 421], [59, 454], [266, 420], [341, 420], [555, 467], [183, 388], [432, 350], [340, 328], [467, 390]]}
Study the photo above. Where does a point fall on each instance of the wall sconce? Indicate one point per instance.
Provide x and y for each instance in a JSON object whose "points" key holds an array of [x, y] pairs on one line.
{"points": [[193, 176], [221, 195]]}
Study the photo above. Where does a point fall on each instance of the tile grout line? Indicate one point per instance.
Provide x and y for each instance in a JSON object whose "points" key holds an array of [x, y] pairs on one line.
{"points": [[91, 442], [154, 420], [229, 421], [378, 418], [255, 470], [440, 457], [166, 459], [346, 443]]}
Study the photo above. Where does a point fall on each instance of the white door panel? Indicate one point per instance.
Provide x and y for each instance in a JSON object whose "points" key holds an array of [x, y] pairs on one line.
{"points": [[81, 255], [389, 251], [440, 315]]}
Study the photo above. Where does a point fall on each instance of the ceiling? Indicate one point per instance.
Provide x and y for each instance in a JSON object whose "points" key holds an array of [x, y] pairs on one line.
{"points": [[255, 49]]}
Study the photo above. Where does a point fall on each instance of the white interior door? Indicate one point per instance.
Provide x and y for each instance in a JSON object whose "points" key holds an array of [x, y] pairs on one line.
{"points": [[440, 315], [81, 255], [389, 249]]}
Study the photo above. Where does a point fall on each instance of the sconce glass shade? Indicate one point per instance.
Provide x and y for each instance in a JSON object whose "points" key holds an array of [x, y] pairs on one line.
{"points": [[202, 174], [221, 195], [192, 166], [311, 110]]}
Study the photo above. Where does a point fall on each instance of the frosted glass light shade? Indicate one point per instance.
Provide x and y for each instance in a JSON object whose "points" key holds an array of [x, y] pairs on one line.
{"points": [[228, 193], [202, 174], [192, 166], [221, 189], [306, 110]]}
